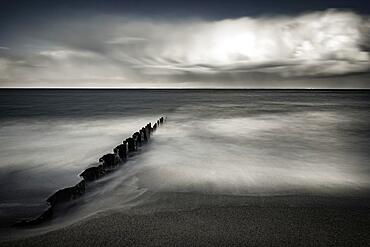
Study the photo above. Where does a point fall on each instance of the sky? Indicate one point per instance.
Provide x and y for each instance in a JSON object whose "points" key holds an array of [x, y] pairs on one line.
{"points": [[185, 44]]}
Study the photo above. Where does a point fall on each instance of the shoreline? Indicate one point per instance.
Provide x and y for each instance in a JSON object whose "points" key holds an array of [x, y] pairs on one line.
{"points": [[260, 221]]}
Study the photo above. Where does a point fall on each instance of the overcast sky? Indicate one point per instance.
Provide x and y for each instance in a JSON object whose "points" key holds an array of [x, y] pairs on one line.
{"points": [[244, 44]]}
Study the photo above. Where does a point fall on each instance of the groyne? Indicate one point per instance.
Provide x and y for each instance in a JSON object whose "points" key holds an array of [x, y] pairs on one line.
{"points": [[108, 163]]}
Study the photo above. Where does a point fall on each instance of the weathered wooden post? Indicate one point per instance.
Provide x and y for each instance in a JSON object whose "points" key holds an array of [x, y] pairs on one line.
{"points": [[148, 129], [121, 152], [93, 173], [137, 138], [154, 127], [109, 161], [67, 194], [143, 135], [131, 144]]}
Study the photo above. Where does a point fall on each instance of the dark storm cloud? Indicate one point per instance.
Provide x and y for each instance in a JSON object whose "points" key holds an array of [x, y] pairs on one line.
{"points": [[111, 50]]}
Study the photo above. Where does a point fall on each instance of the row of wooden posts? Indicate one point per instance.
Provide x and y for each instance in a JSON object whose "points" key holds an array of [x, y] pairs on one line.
{"points": [[107, 164]]}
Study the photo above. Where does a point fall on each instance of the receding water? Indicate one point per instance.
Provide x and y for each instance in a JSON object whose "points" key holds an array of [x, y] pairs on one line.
{"points": [[229, 142]]}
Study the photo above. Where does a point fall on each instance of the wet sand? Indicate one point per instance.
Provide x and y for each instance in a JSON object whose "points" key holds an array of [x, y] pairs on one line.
{"points": [[271, 223]]}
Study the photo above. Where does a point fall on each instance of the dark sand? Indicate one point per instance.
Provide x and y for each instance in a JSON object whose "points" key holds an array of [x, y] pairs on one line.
{"points": [[263, 222]]}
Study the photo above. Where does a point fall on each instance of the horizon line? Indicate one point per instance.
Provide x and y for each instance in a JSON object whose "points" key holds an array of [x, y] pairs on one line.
{"points": [[187, 88]]}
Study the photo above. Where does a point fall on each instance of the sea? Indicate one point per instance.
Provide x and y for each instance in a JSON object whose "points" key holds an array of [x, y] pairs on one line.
{"points": [[231, 143]]}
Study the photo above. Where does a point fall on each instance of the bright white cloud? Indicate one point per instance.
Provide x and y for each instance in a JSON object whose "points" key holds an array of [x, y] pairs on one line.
{"points": [[329, 43], [65, 54], [332, 39]]}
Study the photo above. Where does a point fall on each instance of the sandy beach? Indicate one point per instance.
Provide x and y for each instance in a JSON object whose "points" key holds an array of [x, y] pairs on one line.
{"points": [[283, 221]]}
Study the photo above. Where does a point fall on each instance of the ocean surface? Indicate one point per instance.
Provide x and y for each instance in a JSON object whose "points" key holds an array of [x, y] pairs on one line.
{"points": [[215, 142]]}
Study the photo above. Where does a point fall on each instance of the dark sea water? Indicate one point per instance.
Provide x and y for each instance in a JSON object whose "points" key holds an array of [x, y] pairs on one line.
{"points": [[219, 142]]}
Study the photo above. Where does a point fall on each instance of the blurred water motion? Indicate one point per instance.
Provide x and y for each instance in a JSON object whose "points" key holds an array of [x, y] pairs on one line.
{"points": [[230, 142]]}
